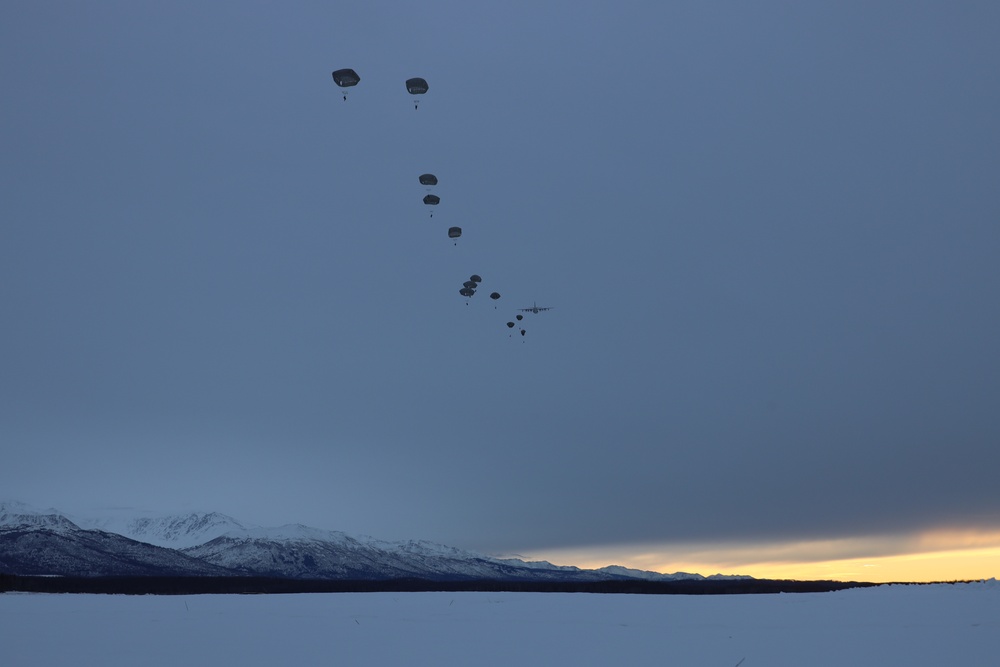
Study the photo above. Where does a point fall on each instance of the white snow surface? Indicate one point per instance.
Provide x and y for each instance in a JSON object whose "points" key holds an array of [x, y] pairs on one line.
{"points": [[912, 625]]}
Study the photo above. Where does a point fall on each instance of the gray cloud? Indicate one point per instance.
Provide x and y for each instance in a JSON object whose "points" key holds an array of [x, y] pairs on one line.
{"points": [[769, 235]]}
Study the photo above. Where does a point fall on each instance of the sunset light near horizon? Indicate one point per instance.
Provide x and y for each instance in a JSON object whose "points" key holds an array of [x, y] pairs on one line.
{"points": [[924, 559]]}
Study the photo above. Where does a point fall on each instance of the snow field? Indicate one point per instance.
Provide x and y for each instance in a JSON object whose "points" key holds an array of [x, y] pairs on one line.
{"points": [[896, 625]]}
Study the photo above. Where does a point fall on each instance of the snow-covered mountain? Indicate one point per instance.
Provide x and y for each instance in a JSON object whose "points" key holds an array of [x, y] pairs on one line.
{"points": [[176, 531], [45, 542], [14, 514], [301, 552], [207, 543]]}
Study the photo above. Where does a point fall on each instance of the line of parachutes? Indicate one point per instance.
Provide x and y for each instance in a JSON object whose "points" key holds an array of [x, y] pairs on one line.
{"points": [[347, 79]]}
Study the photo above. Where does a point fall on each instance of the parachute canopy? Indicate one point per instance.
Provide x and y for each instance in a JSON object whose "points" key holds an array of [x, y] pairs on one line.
{"points": [[475, 278], [510, 325], [416, 86], [428, 179], [466, 291], [432, 200], [519, 317], [345, 78], [468, 284], [495, 296], [454, 232]]}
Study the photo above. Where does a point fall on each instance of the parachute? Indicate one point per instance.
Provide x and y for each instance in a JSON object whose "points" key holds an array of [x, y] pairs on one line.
{"points": [[416, 86], [475, 278], [510, 325], [454, 232], [432, 200], [428, 179], [520, 317], [345, 78], [468, 284], [495, 296], [466, 291]]}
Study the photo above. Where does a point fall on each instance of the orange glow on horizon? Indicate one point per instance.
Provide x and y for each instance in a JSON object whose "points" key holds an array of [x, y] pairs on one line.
{"points": [[968, 564], [940, 555]]}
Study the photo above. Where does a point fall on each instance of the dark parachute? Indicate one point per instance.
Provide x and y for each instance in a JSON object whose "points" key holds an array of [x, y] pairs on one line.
{"points": [[520, 317], [416, 86], [475, 278], [432, 200], [495, 296], [428, 179], [454, 233], [510, 325], [345, 78], [468, 284], [466, 291]]}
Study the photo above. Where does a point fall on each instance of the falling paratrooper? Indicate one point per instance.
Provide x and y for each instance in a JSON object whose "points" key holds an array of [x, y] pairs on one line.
{"points": [[469, 288], [346, 78], [511, 325], [432, 200], [454, 233], [416, 86]]}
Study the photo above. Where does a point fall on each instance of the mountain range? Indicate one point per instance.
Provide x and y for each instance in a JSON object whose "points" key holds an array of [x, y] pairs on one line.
{"points": [[125, 543]]}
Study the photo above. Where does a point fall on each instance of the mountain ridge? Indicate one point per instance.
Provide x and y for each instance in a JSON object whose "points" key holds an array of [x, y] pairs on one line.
{"points": [[123, 542]]}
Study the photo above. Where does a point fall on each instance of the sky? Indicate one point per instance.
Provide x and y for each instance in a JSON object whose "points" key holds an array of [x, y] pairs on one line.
{"points": [[768, 232]]}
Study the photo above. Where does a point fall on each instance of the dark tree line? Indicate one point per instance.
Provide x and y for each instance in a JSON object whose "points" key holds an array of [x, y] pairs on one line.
{"points": [[263, 585]]}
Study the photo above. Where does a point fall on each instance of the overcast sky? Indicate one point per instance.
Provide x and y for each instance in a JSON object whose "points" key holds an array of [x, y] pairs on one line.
{"points": [[770, 233]]}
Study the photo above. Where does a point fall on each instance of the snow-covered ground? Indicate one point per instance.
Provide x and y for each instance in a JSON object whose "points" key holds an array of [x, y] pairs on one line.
{"points": [[899, 625]]}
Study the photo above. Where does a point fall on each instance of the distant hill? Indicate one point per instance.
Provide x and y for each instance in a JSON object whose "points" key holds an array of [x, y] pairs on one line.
{"points": [[205, 544]]}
